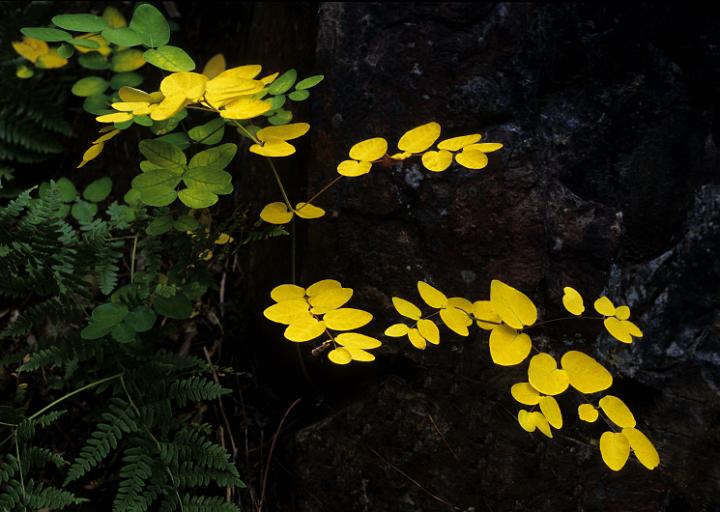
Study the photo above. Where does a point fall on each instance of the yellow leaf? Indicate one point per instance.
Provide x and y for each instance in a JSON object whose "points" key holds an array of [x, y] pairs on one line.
{"points": [[604, 306], [524, 393], [526, 420], [397, 330], [508, 347], [91, 153], [432, 296], [369, 150], [107, 136], [346, 319], [50, 60], [457, 143], [406, 308], [359, 354], [167, 108], [287, 292], [573, 301], [486, 147], [322, 286], [482, 310], [617, 411], [132, 95], [631, 328], [588, 412], [288, 311], [245, 108], [585, 373], [437, 161], [472, 159], [206, 255], [267, 80], [305, 330], [273, 148], [622, 312], [249, 71], [340, 356], [103, 47], [618, 329], [417, 339], [137, 108], [116, 117], [419, 139], [276, 213], [214, 66], [455, 320], [401, 156], [30, 48], [283, 132], [127, 60], [24, 72], [187, 84], [542, 424], [513, 306], [543, 375], [113, 17], [329, 300], [429, 331], [223, 239], [352, 169], [231, 85], [357, 340], [615, 450], [308, 211], [551, 411], [643, 448]]}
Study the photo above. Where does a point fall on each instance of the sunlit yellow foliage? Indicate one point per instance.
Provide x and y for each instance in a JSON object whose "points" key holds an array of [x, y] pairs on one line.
{"points": [[30, 48], [573, 301], [532, 420], [617, 323], [616, 410], [585, 373], [588, 412], [272, 140], [279, 213], [544, 375]]}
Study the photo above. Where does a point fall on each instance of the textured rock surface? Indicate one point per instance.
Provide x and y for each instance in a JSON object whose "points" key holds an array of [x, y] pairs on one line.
{"points": [[608, 182]]}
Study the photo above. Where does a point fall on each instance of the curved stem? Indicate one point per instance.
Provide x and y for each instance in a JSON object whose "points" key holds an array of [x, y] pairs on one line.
{"points": [[73, 393], [280, 184], [321, 191]]}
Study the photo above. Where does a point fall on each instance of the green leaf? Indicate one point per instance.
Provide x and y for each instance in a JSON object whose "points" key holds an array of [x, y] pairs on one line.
{"points": [[219, 156], [124, 125], [125, 79], [109, 314], [155, 178], [89, 86], [141, 319], [162, 153], [97, 105], [209, 133], [277, 102], [210, 179], [143, 120], [177, 307], [281, 117], [67, 190], [65, 51], [132, 197], [50, 35], [158, 196], [98, 190], [84, 43], [186, 223], [123, 333], [168, 125], [197, 198], [178, 139], [159, 225], [127, 60], [124, 36], [283, 83], [93, 61], [169, 58], [80, 22], [301, 95], [151, 25], [83, 211], [309, 82], [94, 331]]}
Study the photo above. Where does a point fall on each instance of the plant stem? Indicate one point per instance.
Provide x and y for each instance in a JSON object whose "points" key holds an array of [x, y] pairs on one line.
{"points": [[322, 191], [280, 184], [132, 259]]}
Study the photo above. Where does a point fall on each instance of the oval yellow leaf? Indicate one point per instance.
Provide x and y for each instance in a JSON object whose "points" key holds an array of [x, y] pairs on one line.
{"points": [[513, 306], [287, 292], [138, 108], [322, 286], [617, 411], [618, 329], [329, 300], [357, 340], [288, 311], [588, 412], [551, 410], [585, 373], [273, 148], [437, 161], [397, 330], [527, 420], [283, 132], [406, 308], [352, 169], [485, 315], [429, 331], [615, 450], [346, 319], [541, 423], [419, 139], [544, 375], [187, 84], [604, 306], [643, 448], [91, 153], [508, 347], [359, 354], [472, 159], [308, 211], [632, 329], [127, 60], [51, 60], [573, 301], [524, 393], [132, 95], [622, 312], [167, 108], [457, 143], [276, 213], [245, 108], [107, 136], [340, 356], [116, 117], [455, 320], [30, 48], [416, 339], [214, 66], [305, 330], [485, 147], [432, 296], [369, 150]]}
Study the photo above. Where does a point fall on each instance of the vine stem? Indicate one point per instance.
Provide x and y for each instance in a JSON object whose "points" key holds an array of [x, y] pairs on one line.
{"points": [[132, 259], [280, 183], [20, 472], [322, 191]]}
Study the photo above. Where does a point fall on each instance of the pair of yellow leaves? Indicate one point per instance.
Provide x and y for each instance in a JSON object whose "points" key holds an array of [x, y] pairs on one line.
{"points": [[39, 53], [222, 239], [616, 321], [309, 313], [106, 133], [273, 140]]}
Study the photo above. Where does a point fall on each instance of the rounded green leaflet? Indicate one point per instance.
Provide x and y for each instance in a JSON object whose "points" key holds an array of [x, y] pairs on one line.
{"points": [[98, 190], [209, 133], [159, 225], [162, 153], [89, 86], [277, 102], [65, 51], [283, 83], [210, 179], [93, 61], [177, 307], [80, 22], [281, 117], [98, 105], [84, 43], [185, 223], [124, 125], [49, 35], [123, 332], [132, 197], [301, 95], [155, 178], [218, 157], [197, 198], [83, 211], [141, 319], [125, 79], [309, 82], [109, 314], [67, 190], [151, 25], [158, 196], [177, 139], [94, 331], [142, 120], [124, 36], [169, 58]]}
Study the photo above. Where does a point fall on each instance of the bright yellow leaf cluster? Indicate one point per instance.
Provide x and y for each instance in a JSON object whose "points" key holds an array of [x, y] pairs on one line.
{"points": [[279, 213], [106, 133], [39, 53], [273, 140], [616, 321], [318, 310]]}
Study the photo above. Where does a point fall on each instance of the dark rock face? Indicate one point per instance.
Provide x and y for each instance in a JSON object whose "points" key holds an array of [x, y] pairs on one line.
{"points": [[608, 182]]}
